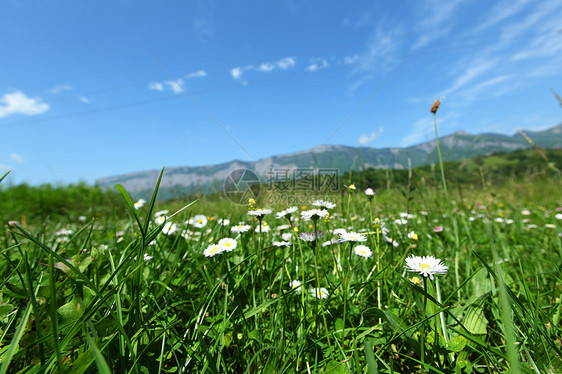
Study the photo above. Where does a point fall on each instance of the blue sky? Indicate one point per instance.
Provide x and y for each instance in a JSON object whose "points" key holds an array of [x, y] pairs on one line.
{"points": [[94, 89]]}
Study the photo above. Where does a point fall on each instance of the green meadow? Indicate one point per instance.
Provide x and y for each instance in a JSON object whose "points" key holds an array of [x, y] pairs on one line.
{"points": [[423, 274]]}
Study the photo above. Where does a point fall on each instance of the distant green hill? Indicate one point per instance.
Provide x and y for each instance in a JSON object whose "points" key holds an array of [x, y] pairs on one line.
{"points": [[492, 169], [181, 181]]}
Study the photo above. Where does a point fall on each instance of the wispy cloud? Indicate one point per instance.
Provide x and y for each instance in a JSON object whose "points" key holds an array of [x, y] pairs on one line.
{"points": [[157, 86], [16, 157], [286, 63], [237, 72], [196, 74], [18, 103], [264, 67], [434, 21], [423, 130], [60, 88], [485, 86], [203, 28], [350, 60], [501, 11], [366, 139], [175, 86], [317, 64], [381, 54], [203, 21], [84, 99], [474, 69]]}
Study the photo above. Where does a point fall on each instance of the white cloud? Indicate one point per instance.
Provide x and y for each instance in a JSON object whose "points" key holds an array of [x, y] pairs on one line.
{"points": [[485, 86], [315, 66], [423, 130], [502, 11], [266, 67], [419, 132], [157, 86], [16, 158], [381, 54], [286, 63], [197, 74], [203, 27], [435, 21], [84, 99], [60, 88], [237, 72], [176, 86], [366, 139], [475, 69], [350, 60], [18, 103]]}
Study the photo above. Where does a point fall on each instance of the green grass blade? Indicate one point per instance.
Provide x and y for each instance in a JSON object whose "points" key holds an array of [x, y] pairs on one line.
{"points": [[371, 361], [22, 326], [101, 364]]}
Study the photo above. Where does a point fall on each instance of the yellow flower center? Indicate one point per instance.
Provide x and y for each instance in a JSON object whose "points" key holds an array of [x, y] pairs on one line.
{"points": [[227, 244], [423, 266]]}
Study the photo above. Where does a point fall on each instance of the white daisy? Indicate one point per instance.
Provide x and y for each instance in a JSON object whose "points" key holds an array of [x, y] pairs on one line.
{"points": [[286, 212], [286, 236], [161, 213], [324, 204], [170, 228], [259, 213], [264, 227], [310, 236], [227, 244], [139, 204], [212, 249], [295, 285], [363, 251], [240, 228], [314, 214], [426, 266], [320, 293], [198, 221], [353, 237]]}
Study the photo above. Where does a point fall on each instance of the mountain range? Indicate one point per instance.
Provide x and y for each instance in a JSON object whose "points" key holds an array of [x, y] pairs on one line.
{"points": [[181, 181]]}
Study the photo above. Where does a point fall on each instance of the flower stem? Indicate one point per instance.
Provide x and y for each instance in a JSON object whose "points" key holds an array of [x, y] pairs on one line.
{"points": [[440, 158]]}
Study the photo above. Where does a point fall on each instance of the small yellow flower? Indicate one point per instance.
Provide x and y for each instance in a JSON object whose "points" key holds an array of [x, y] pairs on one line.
{"points": [[416, 281], [296, 229], [501, 205], [251, 203]]}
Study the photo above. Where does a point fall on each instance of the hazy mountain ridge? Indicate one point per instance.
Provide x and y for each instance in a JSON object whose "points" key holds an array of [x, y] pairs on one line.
{"points": [[460, 145]]}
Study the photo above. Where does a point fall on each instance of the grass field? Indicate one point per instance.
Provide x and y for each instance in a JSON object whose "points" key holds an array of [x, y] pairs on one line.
{"points": [[106, 285]]}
